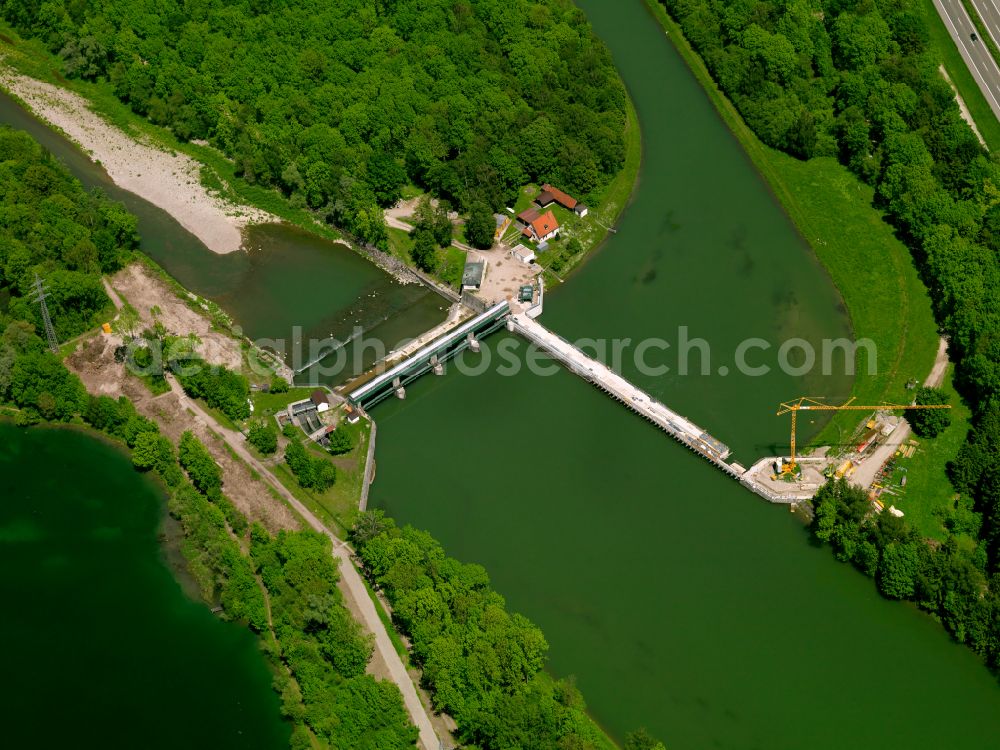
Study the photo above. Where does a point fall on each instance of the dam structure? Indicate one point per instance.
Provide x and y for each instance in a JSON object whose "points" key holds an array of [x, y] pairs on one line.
{"points": [[614, 385], [431, 358]]}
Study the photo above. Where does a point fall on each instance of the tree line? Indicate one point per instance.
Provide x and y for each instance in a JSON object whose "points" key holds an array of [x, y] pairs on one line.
{"points": [[52, 227], [340, 104], [857, 80], [318, 651], [483, 664]]}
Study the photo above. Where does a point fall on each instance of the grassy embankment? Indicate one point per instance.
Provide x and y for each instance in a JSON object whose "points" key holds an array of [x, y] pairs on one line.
{"points": [[337, 507], [946, 51], [874, 272]]}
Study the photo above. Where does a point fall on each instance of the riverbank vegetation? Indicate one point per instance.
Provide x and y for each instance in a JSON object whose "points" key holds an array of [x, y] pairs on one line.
{"points": [[951, 580], [860, 84], [351, 103], [52, 228], [483, 664], [336, 504], [286, 590]]}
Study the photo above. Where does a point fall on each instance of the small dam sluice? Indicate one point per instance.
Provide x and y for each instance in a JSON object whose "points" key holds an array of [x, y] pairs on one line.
{"points": [[430, 358]]}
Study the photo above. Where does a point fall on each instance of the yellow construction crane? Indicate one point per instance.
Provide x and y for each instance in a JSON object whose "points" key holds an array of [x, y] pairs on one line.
{"points": [[813, 404]]}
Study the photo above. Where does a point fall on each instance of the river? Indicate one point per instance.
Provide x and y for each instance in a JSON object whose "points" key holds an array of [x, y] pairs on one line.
{"points": [[289, 286], [679, 600], [102, 647]]}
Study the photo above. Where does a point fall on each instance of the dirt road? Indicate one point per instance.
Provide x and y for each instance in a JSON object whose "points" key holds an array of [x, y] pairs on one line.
{"points": [[350, 582], [936, 376], [866, 472]]}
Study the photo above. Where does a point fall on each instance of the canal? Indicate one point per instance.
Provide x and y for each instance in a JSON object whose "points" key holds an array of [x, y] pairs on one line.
{"points": [[103, 648], [289, 286], [679, 600]]}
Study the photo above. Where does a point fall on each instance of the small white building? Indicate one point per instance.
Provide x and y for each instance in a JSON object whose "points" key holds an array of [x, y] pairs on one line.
{"points": [[320, 400], [523, 253]]}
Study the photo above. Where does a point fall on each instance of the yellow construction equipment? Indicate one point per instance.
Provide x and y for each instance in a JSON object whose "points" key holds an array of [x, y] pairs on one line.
{"points": [[805, 403]]}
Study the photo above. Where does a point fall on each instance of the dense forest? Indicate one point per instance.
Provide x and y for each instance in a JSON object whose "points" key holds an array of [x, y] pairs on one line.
{"points": [[340, 103], [854, 79]]}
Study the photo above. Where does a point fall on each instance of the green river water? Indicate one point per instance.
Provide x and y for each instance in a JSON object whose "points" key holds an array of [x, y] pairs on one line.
{"points": [[679, 600], [290, 286], [102, 647]]}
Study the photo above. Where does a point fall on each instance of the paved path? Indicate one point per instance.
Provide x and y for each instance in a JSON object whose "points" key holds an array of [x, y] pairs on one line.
{"points": [[976, 55], [350, 580]]}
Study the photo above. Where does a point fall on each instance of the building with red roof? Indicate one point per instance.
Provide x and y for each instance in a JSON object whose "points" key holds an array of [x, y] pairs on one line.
{"points": [[543, 228]]}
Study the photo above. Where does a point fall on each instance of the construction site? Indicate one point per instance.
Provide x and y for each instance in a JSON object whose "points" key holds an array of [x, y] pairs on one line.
{"points": [[866, 459]]}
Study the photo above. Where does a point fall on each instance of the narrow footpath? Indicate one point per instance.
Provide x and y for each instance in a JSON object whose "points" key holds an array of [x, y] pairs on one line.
{"points": [[350, 581]]}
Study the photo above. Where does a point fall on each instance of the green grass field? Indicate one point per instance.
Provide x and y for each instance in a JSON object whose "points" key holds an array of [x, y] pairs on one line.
{"points": [[400, 243], [928, 494], [268, 404]]}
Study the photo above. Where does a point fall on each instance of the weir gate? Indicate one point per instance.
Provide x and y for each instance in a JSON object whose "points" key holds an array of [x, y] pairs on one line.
{"points": [[430, 358]]}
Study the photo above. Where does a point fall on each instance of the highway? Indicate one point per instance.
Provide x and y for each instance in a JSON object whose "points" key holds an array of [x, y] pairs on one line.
{"points": [[976, 55], [989, 11]]}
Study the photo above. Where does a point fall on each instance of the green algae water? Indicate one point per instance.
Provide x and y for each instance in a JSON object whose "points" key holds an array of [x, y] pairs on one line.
{"points": [[680, 601], [288, 286], [102, 648]]}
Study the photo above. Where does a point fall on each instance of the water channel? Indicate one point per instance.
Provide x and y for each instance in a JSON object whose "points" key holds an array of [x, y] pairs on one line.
{"points": [[679, 600], [288, 286]]}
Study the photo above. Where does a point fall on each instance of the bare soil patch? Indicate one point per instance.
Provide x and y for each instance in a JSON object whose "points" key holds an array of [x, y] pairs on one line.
{"points": [[144, 291], [94, 362]]}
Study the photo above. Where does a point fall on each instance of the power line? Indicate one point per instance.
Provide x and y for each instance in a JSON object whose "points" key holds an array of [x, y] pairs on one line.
{"points": [[39, 294]]}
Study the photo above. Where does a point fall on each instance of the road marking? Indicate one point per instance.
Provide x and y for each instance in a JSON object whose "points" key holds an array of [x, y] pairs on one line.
{"points": [[969, 58], [987, 25]]}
